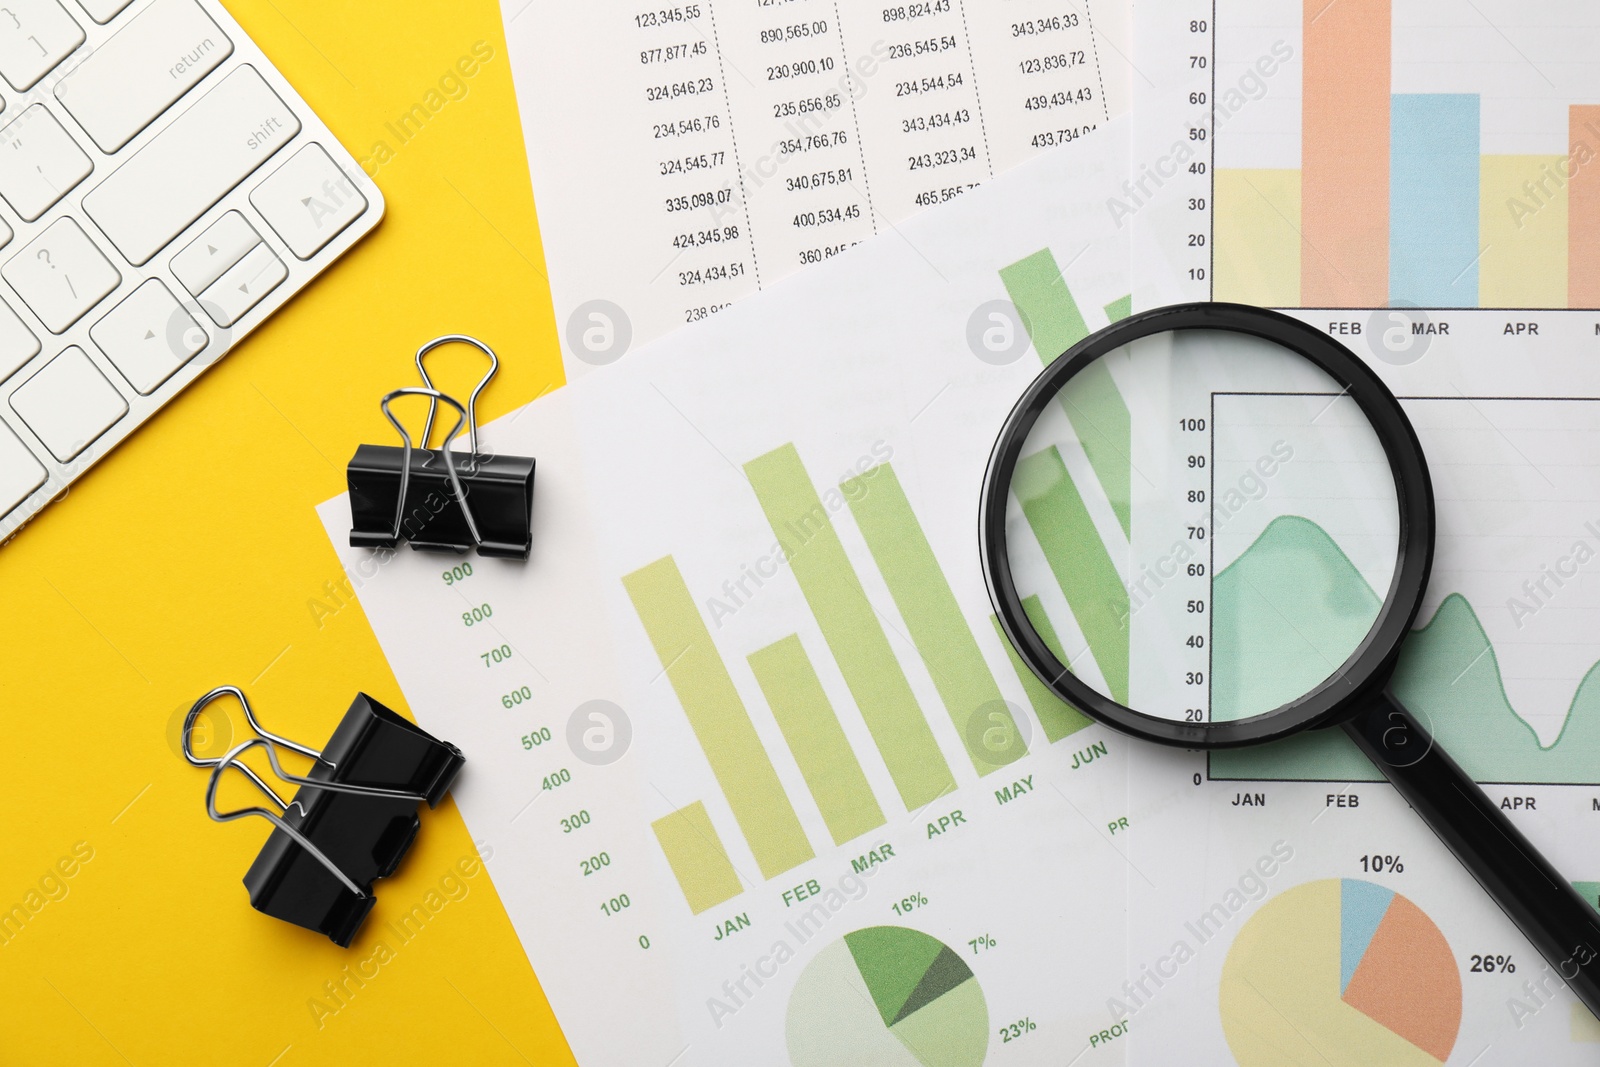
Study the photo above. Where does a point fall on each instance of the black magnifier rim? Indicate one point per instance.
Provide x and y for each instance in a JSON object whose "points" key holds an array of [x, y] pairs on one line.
{"points": [[1368, 668]]}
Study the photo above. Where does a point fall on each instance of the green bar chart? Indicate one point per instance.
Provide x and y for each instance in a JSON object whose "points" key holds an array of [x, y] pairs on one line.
{"points": [[852, 645], [856, 634]]}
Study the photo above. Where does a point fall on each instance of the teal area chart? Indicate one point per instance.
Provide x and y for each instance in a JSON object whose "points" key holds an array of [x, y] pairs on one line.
{"points": [[1449, 672]]}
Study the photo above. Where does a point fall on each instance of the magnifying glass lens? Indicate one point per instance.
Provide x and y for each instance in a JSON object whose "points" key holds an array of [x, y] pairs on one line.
{"points": [[1202, 525]]}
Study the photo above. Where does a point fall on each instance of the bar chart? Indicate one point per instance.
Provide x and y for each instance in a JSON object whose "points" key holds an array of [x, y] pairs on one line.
{"points": [[1374, 153], [859, 646], [856, 640]]}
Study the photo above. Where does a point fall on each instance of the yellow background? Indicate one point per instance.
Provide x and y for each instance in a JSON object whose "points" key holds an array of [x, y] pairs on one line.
{"points": [[189, 558]]}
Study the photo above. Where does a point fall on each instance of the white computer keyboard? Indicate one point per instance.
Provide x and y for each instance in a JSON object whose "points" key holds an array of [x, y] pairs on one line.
{"points": [[162, 191]]}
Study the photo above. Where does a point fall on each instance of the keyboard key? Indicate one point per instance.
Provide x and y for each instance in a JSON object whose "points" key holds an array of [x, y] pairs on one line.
{"points": [[61, 275], [149, 336], [20, 473], [69, 403], [39, 162], [190, 165], [17, 342], [103, 11], [244, 286], [125, 83], [209, 256], [308, 201], [35, 35]]}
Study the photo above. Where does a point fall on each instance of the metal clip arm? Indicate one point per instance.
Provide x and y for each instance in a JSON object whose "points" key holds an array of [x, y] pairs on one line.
{"points": [[449, 460], [472, 401]]}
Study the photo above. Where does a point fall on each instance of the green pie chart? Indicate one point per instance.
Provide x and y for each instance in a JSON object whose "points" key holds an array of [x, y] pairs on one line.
{"points": [[887, 996]]}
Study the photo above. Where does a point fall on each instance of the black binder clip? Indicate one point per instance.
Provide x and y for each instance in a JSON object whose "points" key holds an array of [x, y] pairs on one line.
{"points": [[351, 821], [422, 495]]}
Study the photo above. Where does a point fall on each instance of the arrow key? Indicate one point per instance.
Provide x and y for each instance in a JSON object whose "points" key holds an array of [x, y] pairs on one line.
{"points": [[309, 201], [149, 336], [243, 286], [209, 256]]}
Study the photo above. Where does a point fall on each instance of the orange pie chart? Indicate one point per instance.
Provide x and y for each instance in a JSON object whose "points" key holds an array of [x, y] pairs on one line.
{"points": [[1340, 972]]}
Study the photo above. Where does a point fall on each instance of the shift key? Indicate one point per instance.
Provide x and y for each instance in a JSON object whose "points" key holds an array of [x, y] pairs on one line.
{"points": [[190, 165]]}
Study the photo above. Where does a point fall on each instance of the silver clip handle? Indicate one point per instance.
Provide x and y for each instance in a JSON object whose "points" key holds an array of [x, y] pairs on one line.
{"points": [[472, 401], [449, 461], [250, 716]]}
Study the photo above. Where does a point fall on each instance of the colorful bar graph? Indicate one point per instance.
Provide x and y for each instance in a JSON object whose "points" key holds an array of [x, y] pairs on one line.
{"points": [[1522, 226], [1057, 717], [1583, 206], [1434, 200], [1120, 308], [929, 609], [717, 714], [697, 858], [1078, 558], [816, 739], [1344, 153], [1395, 201], [1257, 225], [1048, 308], [849, 625]]}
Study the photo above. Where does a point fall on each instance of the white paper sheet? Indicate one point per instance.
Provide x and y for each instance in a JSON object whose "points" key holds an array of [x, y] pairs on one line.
{"points": [[685, 155]]}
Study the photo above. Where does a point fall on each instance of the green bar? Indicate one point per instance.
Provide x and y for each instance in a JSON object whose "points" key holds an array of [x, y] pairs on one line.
{"points": [[850, 626], [815, 738], [1099, 417], [1078, 557], [698, 860], [721, 724], [1057, 717], [929, 608], [1048, 309], [1033, 607]]}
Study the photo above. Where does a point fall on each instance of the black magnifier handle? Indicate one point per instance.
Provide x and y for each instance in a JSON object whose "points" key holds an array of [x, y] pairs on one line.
{"points": [[1545, 907]]}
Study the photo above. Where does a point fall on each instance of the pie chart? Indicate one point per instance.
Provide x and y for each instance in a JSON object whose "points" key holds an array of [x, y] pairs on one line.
{"points": [[887, 996], [1340, 972]]}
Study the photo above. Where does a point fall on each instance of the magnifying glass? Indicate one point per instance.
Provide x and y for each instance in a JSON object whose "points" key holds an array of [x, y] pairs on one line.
{"points": [[1211, 525]]}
